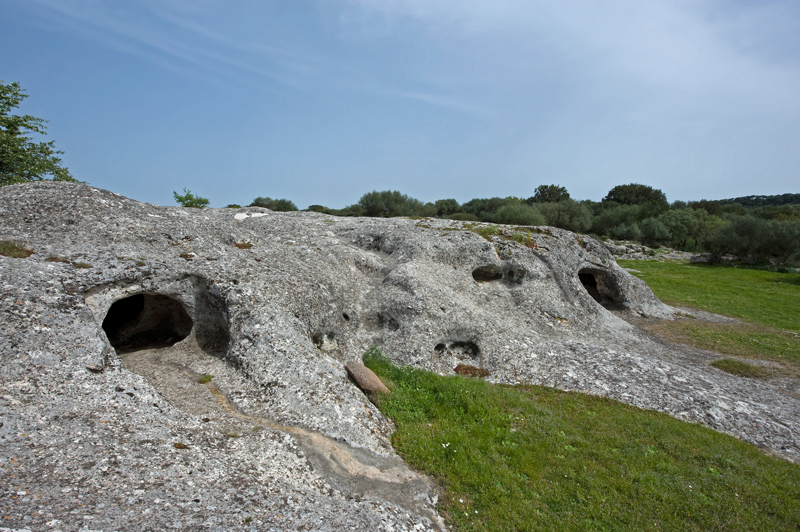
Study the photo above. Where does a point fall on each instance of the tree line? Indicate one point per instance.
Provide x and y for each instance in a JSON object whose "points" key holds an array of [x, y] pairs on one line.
{"points": [[756, 228], [763, 230]]}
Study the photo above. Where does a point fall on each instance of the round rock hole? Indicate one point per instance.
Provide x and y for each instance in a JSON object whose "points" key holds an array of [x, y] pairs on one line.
{"points": [[485, 274]]}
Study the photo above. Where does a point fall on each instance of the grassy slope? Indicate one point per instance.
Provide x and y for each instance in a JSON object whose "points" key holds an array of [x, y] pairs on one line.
{"points": [[767, 298], [768, 302], [533, 458]]}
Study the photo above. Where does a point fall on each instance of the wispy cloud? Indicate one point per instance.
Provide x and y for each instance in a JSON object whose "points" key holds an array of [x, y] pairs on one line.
{"points": [[454, 104], [691, 50], [172, 42]]}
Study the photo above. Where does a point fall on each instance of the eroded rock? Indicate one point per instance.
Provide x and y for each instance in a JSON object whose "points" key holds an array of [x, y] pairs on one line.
{"points": [[274, 322]]}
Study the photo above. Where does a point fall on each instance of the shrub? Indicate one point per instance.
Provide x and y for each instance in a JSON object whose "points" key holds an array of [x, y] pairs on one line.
{"points": [[390, 203], [350, 210], [626, 232], [568, 214], [610, 215], [187, 199], [518, 214], [485, 208], [283, 205], [464, 217], [652, 200], [447, 207], [549, 194], [654, 232]]}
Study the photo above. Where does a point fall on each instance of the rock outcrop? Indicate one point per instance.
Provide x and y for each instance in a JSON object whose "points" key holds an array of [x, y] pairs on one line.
{"points": [[166, 367]]}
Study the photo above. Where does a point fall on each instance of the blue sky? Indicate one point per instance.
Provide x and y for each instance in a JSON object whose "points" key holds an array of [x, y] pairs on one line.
{"points": [[322, 101]]}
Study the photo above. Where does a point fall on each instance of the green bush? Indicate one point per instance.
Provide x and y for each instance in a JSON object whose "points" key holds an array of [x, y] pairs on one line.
{"points": [[610, 215], [549, 194], [626, 232], [447, 207], [281, 205], [187, 199], [652, 200], [484, 208], [518, 214], [567, 214], [654, 232], [390, 203]]}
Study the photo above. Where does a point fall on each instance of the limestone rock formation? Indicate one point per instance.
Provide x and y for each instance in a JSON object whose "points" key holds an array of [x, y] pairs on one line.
{"points": [[166, 367]]}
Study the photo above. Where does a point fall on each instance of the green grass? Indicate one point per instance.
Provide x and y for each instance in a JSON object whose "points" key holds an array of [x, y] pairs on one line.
{"points": [[767, 298], [532, 458], [767, 302], [742, 339], [742, 369], [205, 378]]}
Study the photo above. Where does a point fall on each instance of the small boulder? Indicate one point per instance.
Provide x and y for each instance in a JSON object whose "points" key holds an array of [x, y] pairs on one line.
{"points": [[365, 378]]}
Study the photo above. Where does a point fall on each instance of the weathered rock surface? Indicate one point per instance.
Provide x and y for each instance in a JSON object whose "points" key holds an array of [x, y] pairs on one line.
{"points": [[106, 424]]}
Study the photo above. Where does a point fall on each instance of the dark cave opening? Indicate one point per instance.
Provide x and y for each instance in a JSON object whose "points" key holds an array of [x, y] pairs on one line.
{"points": [[485, 274], [601, 287], [144, 321]]}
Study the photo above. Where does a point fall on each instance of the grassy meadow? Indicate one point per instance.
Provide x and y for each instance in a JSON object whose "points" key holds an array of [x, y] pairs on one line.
{"points": [[768, 303], [527, 458]]}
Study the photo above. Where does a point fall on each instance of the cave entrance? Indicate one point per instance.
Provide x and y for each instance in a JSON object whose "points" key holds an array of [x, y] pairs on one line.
{"points": [[601, 286], [145, 321]]}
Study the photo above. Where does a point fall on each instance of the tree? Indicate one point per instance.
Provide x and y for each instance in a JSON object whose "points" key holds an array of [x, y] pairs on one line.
{"points": [[484, 208], [549, 194], [654, 232], [625, 231], [652, 200], [283, 205], [21, 159], [611, 215], [683, 224], [518, 213], [446, 207], [389, 203], [187, 199], [567, 214]]}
